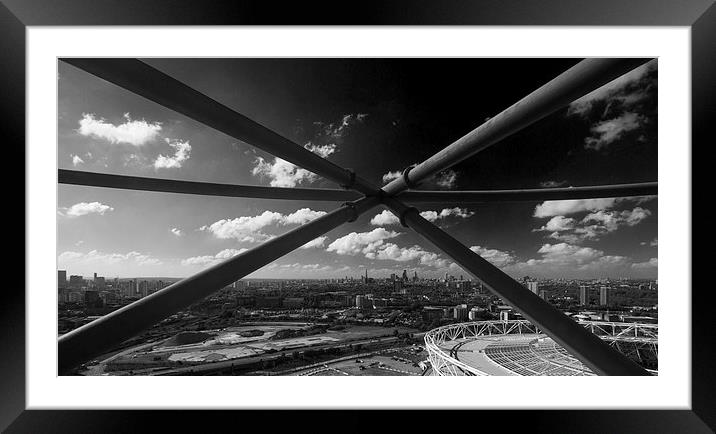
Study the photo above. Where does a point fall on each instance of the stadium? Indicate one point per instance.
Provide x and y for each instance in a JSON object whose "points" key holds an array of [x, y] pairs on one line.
{"points": [[518, 347]]}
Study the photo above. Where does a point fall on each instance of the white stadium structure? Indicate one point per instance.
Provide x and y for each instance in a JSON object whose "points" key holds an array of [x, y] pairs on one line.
{"points": [[518, 347]]}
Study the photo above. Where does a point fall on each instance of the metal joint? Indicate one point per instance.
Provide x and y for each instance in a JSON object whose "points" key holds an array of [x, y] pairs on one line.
{"points": [[351, 180], [406, 178], [404, 213], [352, 206]]}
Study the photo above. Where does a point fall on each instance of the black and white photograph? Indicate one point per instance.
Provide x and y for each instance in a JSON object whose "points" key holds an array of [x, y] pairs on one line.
{"points": [[357, 216]]}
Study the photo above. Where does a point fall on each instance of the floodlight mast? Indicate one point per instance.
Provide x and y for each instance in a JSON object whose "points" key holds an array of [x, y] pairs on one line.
{"points": [[102, 334], [572, 84], [76, 177], [582, 344]]}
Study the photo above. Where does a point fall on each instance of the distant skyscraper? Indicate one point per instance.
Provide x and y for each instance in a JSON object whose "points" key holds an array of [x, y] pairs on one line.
{"points": [[603, 296], [415, 276], [533, 286], [61, 279], [583, 295], [405, 275]]}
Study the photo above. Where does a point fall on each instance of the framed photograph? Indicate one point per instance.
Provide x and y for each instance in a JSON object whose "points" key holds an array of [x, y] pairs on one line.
{"points": [[242, 198]]}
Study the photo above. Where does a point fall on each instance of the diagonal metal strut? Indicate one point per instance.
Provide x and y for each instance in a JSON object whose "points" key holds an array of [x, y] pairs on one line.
{"points": [[102, 334], [92, 179]]}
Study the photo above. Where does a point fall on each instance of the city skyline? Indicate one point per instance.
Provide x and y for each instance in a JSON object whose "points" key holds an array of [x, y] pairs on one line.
{"points": [[381, 108]]}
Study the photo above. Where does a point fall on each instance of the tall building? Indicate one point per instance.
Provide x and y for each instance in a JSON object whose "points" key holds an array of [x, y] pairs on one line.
{"points": [[405, 275], [61, 279], [603, 296], [76, 281], [460, 312], [415, 276], [533, 286], [583, 295]]}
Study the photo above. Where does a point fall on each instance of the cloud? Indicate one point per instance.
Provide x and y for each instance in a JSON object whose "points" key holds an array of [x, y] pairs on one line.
{"points": [[285, 174], [85, 208], [393, 252], [176, 231], [552, 208], [593, 225], [558, 223], [341, 128], [498, 258], [302, 216], [385, 218], [77, 160], [95, 257], [650, 264], [315, 243], [552, 184], [182, 152], [606, 132], [248, 229], [212, 260], [388, 218], [446, 179], [391, 176], [363, 242], [132, 132]]}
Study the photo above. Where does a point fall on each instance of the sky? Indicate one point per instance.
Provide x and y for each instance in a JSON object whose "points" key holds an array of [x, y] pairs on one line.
{"points": [[375, 116]]}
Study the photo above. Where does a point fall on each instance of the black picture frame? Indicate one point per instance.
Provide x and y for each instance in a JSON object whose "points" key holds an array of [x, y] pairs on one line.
{"points": [[16, 15]]}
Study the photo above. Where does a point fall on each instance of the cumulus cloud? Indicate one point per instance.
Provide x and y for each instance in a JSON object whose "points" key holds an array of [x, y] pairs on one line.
{"points": [[361, 242], [393, 252], [552, 208], [593, 225], [85, 208], [132, 132], [446, 179], [498, 258], [650, 264], [388, 218], [391, 176], [315, 243], [207, 260], [385, 218], [285, 174], [95, 257], [302, 216], [608, 131], [176, 231], [182, 152], [77, 160], [248, 228]]}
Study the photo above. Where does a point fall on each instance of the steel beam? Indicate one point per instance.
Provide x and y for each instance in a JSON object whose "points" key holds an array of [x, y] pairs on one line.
{"points": [[574, 83], [534, 194], [582, 344], [142, 79], [92, 179], [100, 335]]}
